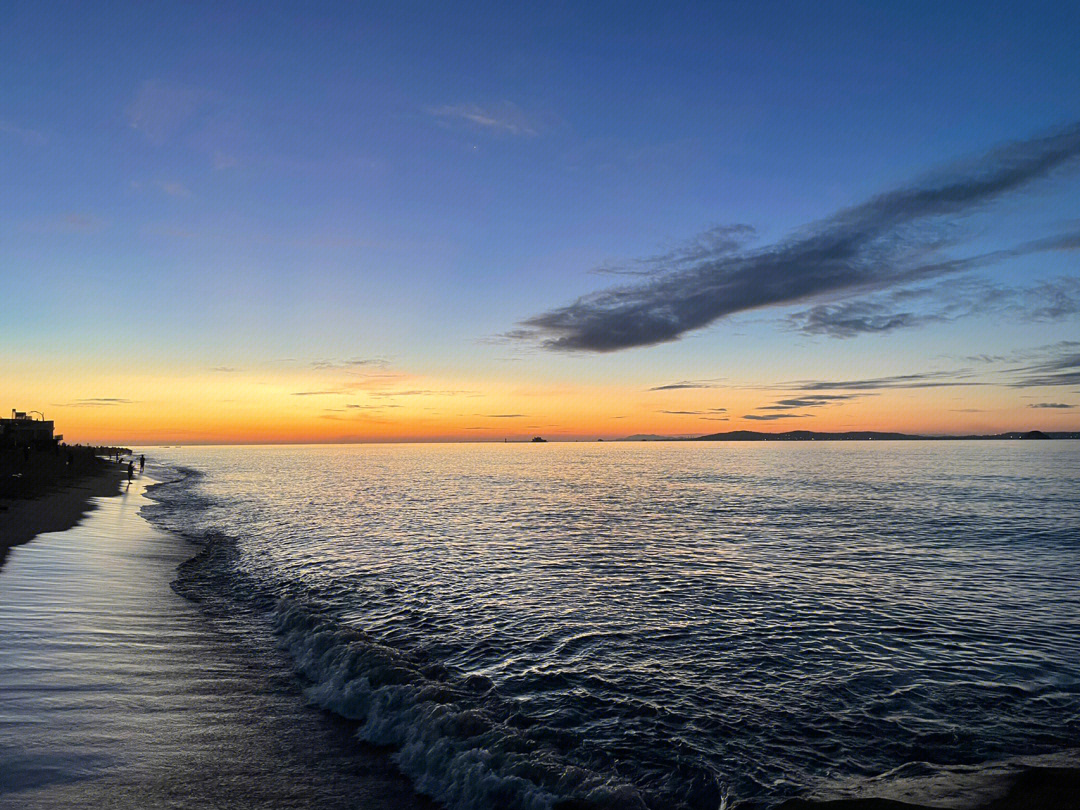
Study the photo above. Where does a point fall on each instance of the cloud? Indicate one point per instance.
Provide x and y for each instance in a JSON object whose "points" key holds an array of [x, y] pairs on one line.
{"points": [[174, 189], [946, 301], [687, 384], [73, 222], [423, 392], [225, 369], [159, 109], [506, 117], [769, 417], [696, 413], [854, 318], [808, 401], [1061, 370], [319, 393], [357, 362], [96, 402], [892, 239], [1029, 353], [30, 137], [925, 379], [503, 415], [720, 240], [1052, 405]]}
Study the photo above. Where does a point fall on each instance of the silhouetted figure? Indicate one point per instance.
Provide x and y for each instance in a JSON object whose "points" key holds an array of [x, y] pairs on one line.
{"points": [[131, 470], [142, 463]]}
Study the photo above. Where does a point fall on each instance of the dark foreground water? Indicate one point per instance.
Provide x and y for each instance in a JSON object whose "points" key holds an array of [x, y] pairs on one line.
{"points": [[654, 625]]}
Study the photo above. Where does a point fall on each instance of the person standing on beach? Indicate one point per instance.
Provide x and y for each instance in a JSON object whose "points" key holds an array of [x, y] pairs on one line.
{"points": [[142, 462], [131, 470]]}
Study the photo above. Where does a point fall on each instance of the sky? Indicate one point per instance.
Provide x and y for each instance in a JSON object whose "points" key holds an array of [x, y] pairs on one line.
{"points": [[321, 222]]}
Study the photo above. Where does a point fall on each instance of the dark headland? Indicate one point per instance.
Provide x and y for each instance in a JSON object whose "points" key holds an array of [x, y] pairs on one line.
{"points": [[850, 436]]}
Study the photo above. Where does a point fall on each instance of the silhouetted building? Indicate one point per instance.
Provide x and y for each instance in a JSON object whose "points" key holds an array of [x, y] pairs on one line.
{"points": [[23, 429]]}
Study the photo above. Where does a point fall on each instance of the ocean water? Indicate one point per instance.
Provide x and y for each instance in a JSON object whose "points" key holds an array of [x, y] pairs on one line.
{"points": [[654, 625]]}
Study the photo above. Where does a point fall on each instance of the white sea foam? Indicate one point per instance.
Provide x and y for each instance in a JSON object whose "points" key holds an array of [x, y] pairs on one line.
{"points": [[452, 748]]}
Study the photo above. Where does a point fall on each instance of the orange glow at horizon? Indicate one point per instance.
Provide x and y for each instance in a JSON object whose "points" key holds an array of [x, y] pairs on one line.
{"points": [[147, 408]]}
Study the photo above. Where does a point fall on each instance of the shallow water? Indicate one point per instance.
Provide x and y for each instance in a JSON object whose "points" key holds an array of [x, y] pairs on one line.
{"points": [[117, 693], [656, 625]]}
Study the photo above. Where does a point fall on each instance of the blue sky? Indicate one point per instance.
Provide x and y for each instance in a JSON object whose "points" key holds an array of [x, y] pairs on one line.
{"points": [[248, 183]]}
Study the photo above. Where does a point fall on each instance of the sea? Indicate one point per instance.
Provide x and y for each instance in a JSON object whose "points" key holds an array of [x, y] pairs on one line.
{"points": [[650, 624]]}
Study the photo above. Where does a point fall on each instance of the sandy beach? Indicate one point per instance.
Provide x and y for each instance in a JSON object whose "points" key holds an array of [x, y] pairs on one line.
{"points": [[117, 692], [23, 519]]}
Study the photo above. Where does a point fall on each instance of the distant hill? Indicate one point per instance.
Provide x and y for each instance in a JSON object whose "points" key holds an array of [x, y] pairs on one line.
{"points": [[868, 435], [851, 436]]}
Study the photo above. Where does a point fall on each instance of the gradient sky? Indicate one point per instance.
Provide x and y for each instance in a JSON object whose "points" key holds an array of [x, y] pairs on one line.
{"points": [[345, 222]]}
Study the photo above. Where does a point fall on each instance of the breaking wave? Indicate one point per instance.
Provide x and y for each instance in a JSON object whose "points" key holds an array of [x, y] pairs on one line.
{"points": [[456, 739]]}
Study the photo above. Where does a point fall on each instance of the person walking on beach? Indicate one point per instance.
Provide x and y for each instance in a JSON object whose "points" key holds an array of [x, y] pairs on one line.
{"points": [[131, 470], [142, 463]]}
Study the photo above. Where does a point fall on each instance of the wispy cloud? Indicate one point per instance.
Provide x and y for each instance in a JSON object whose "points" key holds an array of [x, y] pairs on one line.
{"points": [[174, 189], [505, 117], [356, 362], [925, 379], [160, 109], [809, 401], [896, 238], [96, 402], [503, 415], [1061, 370], [74, 222], [681, 384], [696, 413], [949, 300], [30, 137], [325, 392], [423, 392], [769, 417], [1052, 405], [720, 240], [225, 369]]}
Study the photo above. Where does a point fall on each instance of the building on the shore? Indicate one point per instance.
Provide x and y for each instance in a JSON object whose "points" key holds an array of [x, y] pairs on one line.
{"points": [[23, 429]]}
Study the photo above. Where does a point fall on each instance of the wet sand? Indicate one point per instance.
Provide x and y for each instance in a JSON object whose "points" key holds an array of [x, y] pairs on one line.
{"points": [[23, 519], [117, 692]]}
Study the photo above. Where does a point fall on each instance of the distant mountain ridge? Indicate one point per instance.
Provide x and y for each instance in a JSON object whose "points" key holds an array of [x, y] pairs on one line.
{"points": [[850, 436]]}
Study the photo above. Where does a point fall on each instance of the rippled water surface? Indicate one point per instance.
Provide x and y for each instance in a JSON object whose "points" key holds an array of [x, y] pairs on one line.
{"points": [[657, 625]]}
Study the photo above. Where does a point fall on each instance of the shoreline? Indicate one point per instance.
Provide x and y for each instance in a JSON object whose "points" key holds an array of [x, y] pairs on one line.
{"points": [[21, 520], [119, 692]]}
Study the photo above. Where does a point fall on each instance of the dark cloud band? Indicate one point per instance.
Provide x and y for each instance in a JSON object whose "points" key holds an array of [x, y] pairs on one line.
{"points": [[891, 239]]}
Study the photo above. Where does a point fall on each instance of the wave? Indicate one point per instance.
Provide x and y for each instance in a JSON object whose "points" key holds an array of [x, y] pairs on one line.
{"points": [[456, 739]]}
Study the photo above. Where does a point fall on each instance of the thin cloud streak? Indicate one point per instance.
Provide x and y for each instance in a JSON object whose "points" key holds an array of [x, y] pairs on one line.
{"points": [[507, 117], [944, 302], [676, 386], [926, 379], [894, 238], [809, 401]]}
